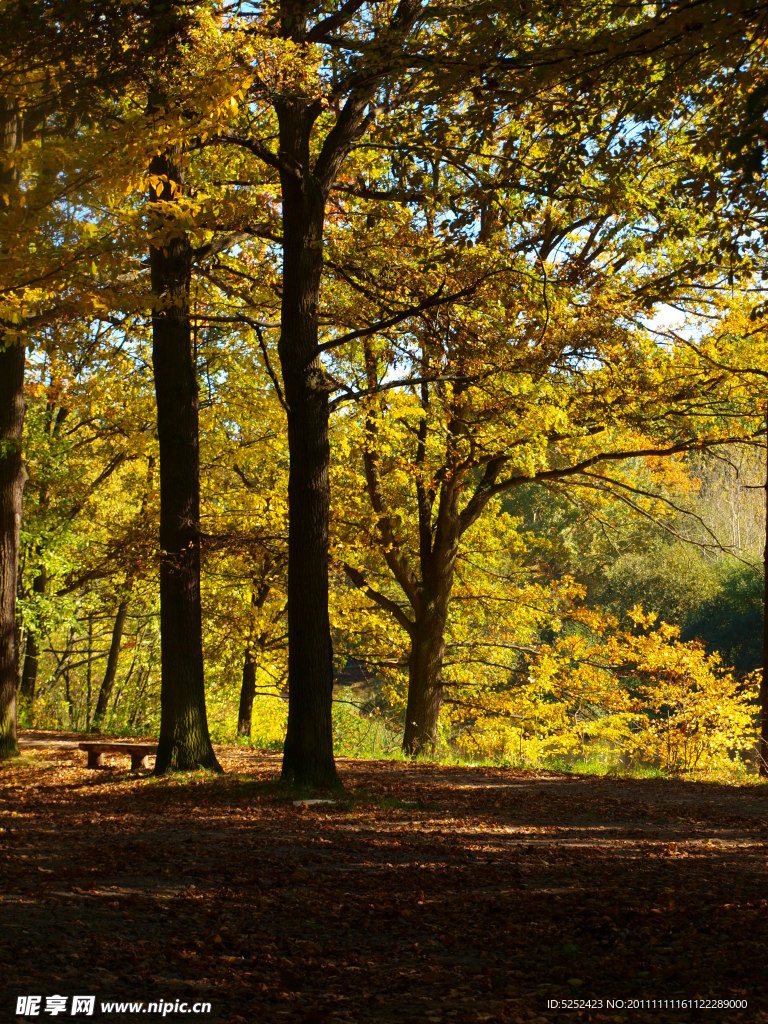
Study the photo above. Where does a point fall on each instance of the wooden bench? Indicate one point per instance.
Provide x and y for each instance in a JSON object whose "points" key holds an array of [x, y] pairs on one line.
{"points": [[140, 752]]}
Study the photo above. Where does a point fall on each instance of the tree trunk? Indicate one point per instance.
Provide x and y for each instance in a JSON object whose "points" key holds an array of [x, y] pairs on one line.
{"points": [[71, 710], [12, 476], [305, 186], [247, 693], [425, 686], [425, 663], [762, 746], [89, 674], [11, 486], [110, 674], [308, 751], [184, 739], [28, 683], [32, 653]]}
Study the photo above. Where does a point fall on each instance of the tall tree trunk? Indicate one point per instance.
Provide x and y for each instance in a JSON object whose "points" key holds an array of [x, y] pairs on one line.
{"points": [[438, 548], [184, 739], [305, 186], [110, 673], [762, 746], [247, 693], [425, 685], [308, 751], [11, 486], [28, 683], [32, 652], [12, 474], [429, 595]]}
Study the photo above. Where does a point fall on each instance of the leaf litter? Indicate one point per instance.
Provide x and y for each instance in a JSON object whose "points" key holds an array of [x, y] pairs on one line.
{"points": [[423, 892]]}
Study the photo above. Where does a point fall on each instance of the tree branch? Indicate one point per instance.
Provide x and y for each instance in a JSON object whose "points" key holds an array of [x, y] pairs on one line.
{"points": [[378, 598]]}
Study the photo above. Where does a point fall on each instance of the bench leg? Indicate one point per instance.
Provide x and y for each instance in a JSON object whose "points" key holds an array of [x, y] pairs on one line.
{"points": [[139, 761], [94, 759]]}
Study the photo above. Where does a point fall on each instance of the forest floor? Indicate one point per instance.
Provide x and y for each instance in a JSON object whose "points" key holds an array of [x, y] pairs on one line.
{"points": [[426, 893]]}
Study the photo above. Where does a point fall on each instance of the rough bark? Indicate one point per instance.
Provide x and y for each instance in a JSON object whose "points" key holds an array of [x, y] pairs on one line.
{"points": [[425, 661], [184, 741], [425, 686], [247, 693], [438, 549], [762, 747], [305, 185], [11, 486], [12, 476], [308, 751], [28, 683]]}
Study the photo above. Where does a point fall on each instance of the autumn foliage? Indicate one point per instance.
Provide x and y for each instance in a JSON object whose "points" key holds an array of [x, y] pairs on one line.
{"points": [[390, 339]]}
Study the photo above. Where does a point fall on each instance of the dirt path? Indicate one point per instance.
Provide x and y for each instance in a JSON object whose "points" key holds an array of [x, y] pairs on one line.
{"points": [[427, 894]]}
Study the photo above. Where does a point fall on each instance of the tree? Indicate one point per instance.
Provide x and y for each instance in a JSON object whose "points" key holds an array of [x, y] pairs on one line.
{"points": [[184, 740], [38, 111], [732, 344], [519, 384], [480, 163], [11, 425], [88, 439], [316, 124], [411, 73]]}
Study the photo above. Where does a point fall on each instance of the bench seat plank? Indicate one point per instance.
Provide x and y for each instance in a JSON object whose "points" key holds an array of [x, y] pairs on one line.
{"points": [[139, 752]]}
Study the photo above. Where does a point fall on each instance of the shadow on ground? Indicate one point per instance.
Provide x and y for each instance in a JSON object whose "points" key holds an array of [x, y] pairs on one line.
{"points": [[426, 893]]}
